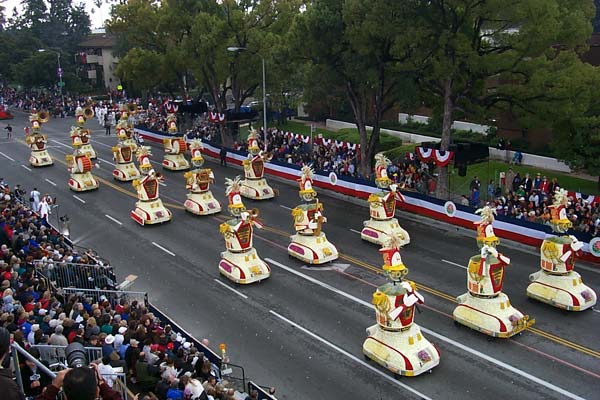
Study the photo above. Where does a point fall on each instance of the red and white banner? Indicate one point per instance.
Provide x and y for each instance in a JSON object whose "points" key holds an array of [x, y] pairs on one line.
{"points": [[216, 118], [442, 158], [424, 154]]}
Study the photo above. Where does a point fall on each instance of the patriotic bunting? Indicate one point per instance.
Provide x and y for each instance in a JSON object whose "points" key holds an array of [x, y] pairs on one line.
{"points": [[441, 158]]}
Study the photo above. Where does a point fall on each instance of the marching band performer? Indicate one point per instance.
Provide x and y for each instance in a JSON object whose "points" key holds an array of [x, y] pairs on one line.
{"points": [[485, 307], [200, 199], [39, 156], [255, 186], [143, 154], [175, 147], [80, 166], [81, 116], [149, 208], [310, 244], [240, 262], [557, 283], [382, 207], [395, 341]]}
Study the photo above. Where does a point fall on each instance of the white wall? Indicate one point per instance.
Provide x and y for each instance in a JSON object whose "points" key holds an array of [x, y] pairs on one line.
{"points": [[459, 125]]}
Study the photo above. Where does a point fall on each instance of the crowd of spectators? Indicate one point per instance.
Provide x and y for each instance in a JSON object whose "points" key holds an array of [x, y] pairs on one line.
{"points": [[529, 199], [127, 336]]}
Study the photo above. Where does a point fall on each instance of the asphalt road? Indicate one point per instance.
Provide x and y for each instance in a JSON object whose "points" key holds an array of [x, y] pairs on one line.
{"points": [[302, 329]]}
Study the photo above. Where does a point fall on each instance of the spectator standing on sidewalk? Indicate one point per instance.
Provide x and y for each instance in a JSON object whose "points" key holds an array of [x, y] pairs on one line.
{"points": [[8, 129], [223, 156]]}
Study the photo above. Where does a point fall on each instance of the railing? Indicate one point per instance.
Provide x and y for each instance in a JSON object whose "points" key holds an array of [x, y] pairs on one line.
{"points": [[56, 354], [55, 357], [87, 276], [113, 296], [263, 393]]}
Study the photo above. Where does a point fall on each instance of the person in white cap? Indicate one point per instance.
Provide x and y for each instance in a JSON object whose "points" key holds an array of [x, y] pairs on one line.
{"points": [[107, 346], [31, 335], [119, 338]]}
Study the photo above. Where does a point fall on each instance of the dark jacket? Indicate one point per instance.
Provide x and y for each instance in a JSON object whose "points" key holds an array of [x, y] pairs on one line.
{"points": [[106, 393], [8, 387]]}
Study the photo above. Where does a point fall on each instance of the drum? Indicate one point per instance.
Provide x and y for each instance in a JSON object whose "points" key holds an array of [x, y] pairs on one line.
{"points": [[179, 145], [84, 164]]}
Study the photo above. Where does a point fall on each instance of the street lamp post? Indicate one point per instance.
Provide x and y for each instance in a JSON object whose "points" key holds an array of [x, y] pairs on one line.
{"points": [[59, 73], [264, 87]]}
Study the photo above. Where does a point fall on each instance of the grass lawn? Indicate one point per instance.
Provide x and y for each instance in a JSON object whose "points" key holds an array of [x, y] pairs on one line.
{"points": [[491, 170]]}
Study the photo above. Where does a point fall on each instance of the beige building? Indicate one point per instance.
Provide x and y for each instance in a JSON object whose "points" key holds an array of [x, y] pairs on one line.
{"points": [[97, 61]]}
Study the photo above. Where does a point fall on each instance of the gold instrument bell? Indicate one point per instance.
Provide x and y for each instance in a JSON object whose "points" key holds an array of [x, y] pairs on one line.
{"points": [[88, 113], [44, 116]]}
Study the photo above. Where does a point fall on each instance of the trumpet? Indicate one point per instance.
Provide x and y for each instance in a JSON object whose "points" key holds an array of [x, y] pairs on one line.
{"points": [[88, 113], [254, 213], [132, 108], [43, 117]]}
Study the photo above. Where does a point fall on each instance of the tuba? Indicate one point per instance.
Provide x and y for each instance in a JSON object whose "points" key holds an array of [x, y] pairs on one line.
{"points": [[43, 116], [88, 113], [132, 108]]}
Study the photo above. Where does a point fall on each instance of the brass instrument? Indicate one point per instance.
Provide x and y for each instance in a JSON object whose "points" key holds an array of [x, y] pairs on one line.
{"points": [[43, 117], [88, 113], [132, 108], [254, 213]]}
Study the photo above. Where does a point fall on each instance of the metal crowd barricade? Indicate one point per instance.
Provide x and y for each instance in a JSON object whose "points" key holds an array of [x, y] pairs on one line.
{"points": [[56, 354], [113, 296], [87, 276], [263, 394], [55, 357]]}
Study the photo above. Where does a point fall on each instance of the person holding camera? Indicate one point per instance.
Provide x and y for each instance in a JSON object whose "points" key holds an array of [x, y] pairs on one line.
{"points": [[80, 383]]}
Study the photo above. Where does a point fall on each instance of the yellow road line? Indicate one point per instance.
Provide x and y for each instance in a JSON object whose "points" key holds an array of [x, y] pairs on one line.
{"points": [[372, 268]]}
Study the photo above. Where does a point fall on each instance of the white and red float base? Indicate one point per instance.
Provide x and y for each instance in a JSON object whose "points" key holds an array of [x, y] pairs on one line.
{"points": [[312, 249], [494, 316], [82, 182], [126, 172], [88, 150], [563, 291], [150, 212], [40, 158], [175, 162], [379, 231], [256, 189], [243, 268], [404, 352], [203, 203]]}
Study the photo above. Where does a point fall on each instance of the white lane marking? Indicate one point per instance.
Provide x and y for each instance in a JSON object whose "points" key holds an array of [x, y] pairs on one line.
{"points": [[163, 249], [50, 182], [286, 207], [350, 356], [355, 231], [106, 161], [26, 167], [443, 338], [79, 199], [226, 286], [455, 264], [162, 184], [8, 157], [102, 144], [594, 310], [61, 144], [113, 219]]}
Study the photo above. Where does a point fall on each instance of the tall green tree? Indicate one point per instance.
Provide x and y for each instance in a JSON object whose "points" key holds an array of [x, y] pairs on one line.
{"points": [[362, 46], [256, 29], [464, 43]]}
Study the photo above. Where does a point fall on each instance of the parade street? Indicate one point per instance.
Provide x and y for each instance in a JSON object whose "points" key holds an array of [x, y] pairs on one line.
{"points": [[302, 329]]}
